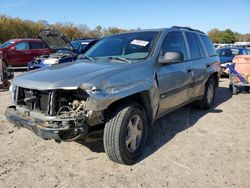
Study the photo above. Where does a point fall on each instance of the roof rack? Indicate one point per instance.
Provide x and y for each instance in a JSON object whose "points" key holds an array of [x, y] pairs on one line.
{"points": [[187, 28]]}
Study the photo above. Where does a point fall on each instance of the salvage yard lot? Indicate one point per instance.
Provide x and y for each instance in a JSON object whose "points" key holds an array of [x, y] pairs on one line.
{"points": [[187, 148]]}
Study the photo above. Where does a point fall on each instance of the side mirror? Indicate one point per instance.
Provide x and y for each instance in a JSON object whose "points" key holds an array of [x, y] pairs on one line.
{"points": [[171, 57]]}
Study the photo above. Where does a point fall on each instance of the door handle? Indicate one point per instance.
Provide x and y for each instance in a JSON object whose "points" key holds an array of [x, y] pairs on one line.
{"points": [[208, 65], [27, 52], [189, 70]]}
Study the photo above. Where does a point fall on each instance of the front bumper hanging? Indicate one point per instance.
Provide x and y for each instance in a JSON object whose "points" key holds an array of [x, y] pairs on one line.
{"points": [[38, 126]]}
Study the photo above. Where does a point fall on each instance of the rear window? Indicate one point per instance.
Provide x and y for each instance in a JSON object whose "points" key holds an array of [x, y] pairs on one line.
{"points": [[36, 45], [195, 46], [209, 45]]}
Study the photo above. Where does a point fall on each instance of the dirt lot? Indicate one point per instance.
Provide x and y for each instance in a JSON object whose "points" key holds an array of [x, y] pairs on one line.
{"points": [[187, 148]]}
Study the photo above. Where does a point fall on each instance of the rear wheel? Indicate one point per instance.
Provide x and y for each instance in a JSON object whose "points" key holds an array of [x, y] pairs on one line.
{"points": [[125, 134], [208, 97]]}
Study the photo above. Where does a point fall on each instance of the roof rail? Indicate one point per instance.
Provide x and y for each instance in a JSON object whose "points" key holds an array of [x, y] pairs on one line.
{"points": [[187, 28]]}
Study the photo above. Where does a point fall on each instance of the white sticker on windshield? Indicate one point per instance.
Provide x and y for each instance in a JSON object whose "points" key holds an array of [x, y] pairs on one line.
{"points": [[139, 42]]}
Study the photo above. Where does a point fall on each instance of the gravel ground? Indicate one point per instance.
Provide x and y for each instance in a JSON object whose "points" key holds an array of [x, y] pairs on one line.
{"points": [[187, 148]]}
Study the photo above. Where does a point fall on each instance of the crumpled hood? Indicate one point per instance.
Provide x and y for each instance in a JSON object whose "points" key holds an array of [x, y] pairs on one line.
{"points": [[72, 75]]}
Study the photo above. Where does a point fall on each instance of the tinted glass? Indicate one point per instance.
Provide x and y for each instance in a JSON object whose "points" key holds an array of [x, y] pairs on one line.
{"points": [[36, 45], [137, 45], [208, 45], [22, 46], [202, 52], [194, 47], [229, 52], [174, 42]]}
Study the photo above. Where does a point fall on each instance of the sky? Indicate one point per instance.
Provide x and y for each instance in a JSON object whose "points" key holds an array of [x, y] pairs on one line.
{"points": [[132, 14]]}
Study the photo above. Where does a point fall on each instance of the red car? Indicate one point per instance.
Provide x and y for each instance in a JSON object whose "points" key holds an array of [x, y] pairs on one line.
{"points": [[18, 52]]}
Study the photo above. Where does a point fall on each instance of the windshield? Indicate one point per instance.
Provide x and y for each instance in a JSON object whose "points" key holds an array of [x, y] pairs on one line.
{"points": [[7, 44], [134, 46]]}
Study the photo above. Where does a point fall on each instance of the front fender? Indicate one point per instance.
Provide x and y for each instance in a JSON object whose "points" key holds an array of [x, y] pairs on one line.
{"points": [[100, 99]]}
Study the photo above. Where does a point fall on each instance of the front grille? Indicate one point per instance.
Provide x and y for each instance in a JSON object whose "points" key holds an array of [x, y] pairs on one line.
{"points": [[34, 99]]}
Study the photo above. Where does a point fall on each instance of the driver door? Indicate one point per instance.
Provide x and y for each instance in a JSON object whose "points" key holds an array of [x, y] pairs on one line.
{"points": [[174, 79]]}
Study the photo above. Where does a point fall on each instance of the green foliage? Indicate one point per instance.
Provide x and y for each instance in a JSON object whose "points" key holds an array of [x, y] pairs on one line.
{"points": [[227, 36], [11, 28], [248, 40]]}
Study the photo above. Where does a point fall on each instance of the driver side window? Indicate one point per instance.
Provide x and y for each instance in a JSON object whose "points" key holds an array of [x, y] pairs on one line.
{"points": [[174, 42]]}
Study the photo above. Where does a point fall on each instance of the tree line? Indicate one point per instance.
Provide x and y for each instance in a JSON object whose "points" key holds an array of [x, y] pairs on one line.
{"points": [[18, 28], [227, 36], [11, 28]]}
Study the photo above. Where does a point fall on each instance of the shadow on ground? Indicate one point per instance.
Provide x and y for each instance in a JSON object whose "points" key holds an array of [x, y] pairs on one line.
{"points": [[165, 128]]}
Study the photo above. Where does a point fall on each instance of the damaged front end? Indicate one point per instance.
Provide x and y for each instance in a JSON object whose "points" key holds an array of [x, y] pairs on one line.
{"points": [[53, 114]]}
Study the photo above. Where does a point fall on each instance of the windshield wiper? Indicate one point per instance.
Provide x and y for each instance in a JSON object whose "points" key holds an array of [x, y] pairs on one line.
{"points": [[119, 58], [87, 57]]}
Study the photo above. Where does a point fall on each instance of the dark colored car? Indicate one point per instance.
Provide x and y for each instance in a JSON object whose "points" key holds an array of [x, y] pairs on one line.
{"points": [[82, 45], [64, 50], [18, 52], [227, 55]]}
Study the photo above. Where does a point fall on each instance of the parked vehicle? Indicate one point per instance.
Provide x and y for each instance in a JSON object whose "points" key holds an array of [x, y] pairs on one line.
{"points": [[125, 82], [227, 55], [239, 74], [18, 52], [82, 45], [63, 50]]}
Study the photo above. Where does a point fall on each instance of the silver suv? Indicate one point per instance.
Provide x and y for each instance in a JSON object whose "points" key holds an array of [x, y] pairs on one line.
{"points": [[122, 84]]}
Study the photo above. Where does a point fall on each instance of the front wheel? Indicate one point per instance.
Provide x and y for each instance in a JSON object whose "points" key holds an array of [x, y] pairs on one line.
{"points": [[208, 97], [125, 134]]}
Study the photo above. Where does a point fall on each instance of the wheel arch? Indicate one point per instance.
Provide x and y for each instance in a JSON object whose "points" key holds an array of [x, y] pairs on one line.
{"points": [[216, 77], [143, 98]]}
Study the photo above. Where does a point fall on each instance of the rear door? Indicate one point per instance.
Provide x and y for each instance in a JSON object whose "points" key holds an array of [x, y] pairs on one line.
{"points": [[174, 79], [199, 61], [38, 49], [20, 55]]}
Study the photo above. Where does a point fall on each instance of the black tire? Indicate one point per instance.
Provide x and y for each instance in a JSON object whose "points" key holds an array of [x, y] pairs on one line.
{"points": [[205, 103], [5, 84], [230, 87], [116, 130]]}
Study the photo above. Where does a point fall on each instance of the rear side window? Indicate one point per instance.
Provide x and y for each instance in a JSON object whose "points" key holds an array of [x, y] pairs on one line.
{"points": [[22, 46], [174, 42], [195, 46], [36, 45], [209, 45]]}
